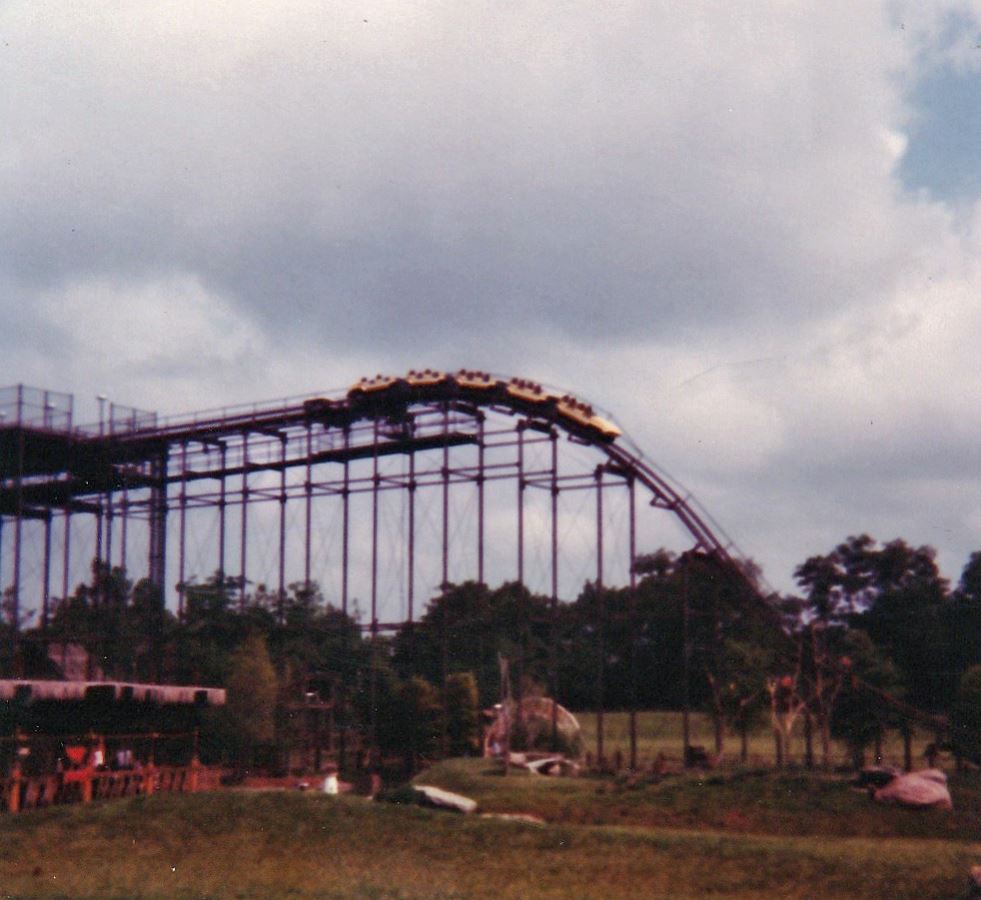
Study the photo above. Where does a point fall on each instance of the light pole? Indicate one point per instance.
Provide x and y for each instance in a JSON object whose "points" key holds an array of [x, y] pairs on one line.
{"points": [[102, 406]]}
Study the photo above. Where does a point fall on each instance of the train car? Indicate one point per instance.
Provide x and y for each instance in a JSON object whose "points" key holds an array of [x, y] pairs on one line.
{"points": [[569, 408], [426, 378], [317, 406], [476, 381], [605, 427], [529, 391], [45, 690], [574, 410], [583, 415], [373, 385]]}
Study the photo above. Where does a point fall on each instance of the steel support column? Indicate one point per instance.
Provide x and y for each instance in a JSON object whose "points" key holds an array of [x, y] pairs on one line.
{"points": [[158, 523], [222, 507], [411, 574], [66, 558], [480, 501], [554, 649], [98, 547], [182, 536], [601, 618], [632, 538], [19, 513], [67, 511], [281, 595], [685, 663], [375, 481], [345, 522], [445, 581], [445, 474], [308, 511], [46, 576], [521, 503], [110, 514], [243, 553], [124, 529]]}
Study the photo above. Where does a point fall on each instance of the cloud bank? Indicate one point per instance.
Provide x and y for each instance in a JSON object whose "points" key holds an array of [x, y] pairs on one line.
{"points": [[694, 215]]}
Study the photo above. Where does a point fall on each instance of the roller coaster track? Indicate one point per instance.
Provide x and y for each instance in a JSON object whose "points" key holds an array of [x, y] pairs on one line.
{"points": [[46, 471]]}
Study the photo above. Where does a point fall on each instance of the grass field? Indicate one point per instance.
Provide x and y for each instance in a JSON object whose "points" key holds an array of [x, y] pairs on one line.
{"points": [[660, 732], [741, 835]]}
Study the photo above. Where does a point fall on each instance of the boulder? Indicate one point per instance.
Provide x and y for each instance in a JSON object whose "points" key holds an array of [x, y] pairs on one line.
{"points": [[917, 789], [937, 775], [974, 883], [434, 796]]}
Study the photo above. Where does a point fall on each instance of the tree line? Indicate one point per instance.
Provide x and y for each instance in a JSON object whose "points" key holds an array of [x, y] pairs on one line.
{"points": [[874, 639]]}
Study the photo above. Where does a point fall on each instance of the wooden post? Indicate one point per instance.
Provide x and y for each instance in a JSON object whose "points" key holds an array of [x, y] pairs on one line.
{"points": [[13, 798], [150, 770], [809, 742]]}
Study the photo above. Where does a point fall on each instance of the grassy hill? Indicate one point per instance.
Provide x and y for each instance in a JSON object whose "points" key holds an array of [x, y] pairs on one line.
{"points": [[750, 836], [748, 801]]}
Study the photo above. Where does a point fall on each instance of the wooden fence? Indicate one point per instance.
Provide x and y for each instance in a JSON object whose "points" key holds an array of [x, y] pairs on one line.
{"points": [[21, 792]]}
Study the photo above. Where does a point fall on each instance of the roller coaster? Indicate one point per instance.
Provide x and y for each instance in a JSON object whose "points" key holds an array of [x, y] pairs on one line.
{"points": [[128, 488]]}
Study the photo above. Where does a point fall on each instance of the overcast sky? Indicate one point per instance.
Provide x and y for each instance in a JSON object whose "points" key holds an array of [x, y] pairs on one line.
{"points": [[749, 230]]}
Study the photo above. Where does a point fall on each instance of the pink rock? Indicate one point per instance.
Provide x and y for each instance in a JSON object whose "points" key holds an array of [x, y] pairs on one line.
{"points": [[917, 789]]}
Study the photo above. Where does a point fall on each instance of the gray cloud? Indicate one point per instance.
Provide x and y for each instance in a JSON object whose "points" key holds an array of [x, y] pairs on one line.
{"points": [[223, 203], [487, 169]]}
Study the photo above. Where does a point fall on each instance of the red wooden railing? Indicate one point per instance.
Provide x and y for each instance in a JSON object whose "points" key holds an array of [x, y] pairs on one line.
{"points": [[21, 792]]}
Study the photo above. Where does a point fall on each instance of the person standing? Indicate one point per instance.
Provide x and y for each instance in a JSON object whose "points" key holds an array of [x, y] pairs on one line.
{"points": [[330, 780]]}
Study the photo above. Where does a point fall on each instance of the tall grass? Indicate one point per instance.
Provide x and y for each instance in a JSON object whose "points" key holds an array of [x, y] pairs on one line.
{"points": [[279, 844]]}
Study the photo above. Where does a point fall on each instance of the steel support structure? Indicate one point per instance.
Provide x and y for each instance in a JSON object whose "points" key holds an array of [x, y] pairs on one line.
{"points": [[326, 452]]}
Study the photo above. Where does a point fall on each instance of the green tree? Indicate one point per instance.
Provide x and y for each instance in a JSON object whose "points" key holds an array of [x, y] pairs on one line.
{"points": [[251, 701], [467, 625], [961, 625], [966, 716], [743, 696], [970, 582], [412, 722], [895, 593], [211, 630], [865, 708], [462, 714], [724, 606]]}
